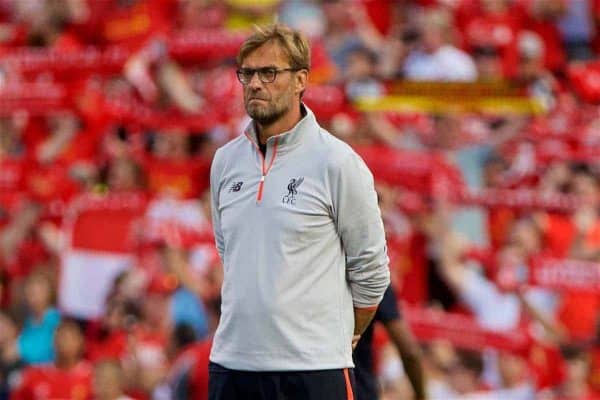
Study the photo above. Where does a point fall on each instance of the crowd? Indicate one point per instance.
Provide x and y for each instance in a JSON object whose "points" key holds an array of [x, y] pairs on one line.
{"points": [[111, 111]]}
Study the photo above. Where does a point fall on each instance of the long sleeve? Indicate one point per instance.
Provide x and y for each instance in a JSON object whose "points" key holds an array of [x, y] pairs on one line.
{"points": [[360, 227], [215, 184]]}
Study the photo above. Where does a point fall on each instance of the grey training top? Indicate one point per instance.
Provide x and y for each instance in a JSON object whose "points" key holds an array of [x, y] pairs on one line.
{"points": [[301, 238]]}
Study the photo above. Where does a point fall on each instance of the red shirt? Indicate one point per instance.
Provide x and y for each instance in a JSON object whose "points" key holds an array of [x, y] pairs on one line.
{"points": [[578, 312], [11, 174], [594, 375], [50, 182], [596, 11], [499, 222], [184, 179], [412, 270], [193, 364], [111, 22], [547, 365], [495, 30], [554, 52], [113, 346], [50, 382]]}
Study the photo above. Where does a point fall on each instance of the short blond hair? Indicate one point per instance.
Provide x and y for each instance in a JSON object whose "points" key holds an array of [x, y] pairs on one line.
{"points": [[294, 44]]}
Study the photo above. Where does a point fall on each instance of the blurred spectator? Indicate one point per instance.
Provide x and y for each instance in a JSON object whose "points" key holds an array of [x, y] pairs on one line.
{"points": [[405, 344], [129, 23], [531, 72], [306, 16], [577, 29], [123, 175], [436, 59], [438, 357], [360, 79], [69, 377], [576, 385], [492, 23], [188, 374], [201, 13], [108, 381], [10, 360], [109, 337], [36, 340], [173, 171], [136, 97], [488, 62], [339, 35], [186, 308], [465, 376], [542, 16]]}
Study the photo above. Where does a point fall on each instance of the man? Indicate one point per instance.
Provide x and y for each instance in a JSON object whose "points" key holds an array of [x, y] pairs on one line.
{"points": [[300, 235], [401, 337]]}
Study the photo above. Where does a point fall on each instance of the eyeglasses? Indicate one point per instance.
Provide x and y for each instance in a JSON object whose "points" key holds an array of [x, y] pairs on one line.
{"points": [[266, 74]]}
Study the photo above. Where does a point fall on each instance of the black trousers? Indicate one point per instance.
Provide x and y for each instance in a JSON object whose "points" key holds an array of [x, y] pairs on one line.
{"points": [[332, 384]]}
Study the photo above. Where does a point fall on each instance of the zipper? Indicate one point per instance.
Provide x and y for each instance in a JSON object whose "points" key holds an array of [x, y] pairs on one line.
{"points": [[264, 169]]}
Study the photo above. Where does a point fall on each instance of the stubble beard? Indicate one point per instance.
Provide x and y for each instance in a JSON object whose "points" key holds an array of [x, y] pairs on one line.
{"points": [[268, 113]]}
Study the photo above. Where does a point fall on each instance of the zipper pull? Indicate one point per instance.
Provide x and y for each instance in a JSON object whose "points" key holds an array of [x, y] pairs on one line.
{"points": [[260, 189]]}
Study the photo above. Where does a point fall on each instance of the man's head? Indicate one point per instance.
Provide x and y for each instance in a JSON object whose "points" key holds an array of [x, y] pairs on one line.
{"points": [[68, 342], [172, 144], [273, 67], [584, 183], [531, 55], [465, 374], [108, 380], [8, 329], [38, 293], [361, 63], [182, 336], [436, 30]]}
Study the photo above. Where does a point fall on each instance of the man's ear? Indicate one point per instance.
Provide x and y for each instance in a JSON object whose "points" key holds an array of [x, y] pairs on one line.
{"points": [[301, 80]]}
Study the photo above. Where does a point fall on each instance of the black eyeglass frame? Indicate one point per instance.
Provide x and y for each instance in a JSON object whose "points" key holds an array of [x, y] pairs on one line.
{"points": [[240, 72]]}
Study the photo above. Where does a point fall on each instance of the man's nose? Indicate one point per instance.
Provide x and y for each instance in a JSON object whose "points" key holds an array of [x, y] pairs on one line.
{"points": [[255, 82]]}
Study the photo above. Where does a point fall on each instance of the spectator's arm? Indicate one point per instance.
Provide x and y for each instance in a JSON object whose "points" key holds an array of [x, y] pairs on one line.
{"points": [[368, 34], [137, 69], [55, 144], [554, 329], [18, 229], [410, 353], [451, 267], [380, 128], [177, 260], [172, 80], [509, 130], [584, 219]]}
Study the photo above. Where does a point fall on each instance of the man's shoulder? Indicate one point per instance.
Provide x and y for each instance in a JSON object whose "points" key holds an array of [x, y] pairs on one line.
{"points": [[229, 150], [332, 149], [233, 145], [454, 54]]}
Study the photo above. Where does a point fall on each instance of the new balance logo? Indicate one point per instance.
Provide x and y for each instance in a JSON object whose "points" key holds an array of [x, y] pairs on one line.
{"points": [[236, 187], [292, 188]]}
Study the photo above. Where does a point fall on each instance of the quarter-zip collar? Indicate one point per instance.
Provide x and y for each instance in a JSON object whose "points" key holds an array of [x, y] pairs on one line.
{"points": [[287, 140], [280, 144]]}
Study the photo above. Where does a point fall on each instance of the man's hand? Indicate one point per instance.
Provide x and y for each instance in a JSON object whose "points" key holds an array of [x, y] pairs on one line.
{"points": [[362, 319], [355, 340]]}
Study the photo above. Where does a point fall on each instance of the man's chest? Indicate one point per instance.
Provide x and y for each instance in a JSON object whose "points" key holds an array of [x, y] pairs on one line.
{"points": [[292, 198]]}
